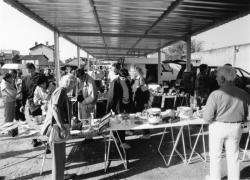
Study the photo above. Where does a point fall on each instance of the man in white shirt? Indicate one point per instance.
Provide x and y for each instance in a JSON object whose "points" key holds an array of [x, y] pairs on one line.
{"points": [[225, 110]]}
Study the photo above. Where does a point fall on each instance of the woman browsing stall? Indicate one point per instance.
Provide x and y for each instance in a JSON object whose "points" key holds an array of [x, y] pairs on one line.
{"points": [[59, 115]]}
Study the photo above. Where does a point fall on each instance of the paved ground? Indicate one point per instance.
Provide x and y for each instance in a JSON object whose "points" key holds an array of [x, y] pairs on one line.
{"points": [[19, 160]]}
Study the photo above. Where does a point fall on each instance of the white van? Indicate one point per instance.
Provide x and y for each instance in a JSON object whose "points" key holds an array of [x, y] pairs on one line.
{"points": [[169, 71]]}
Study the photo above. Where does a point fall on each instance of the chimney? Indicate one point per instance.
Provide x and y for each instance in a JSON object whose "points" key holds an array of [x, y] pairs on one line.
{"points": [[36, 43], [47, 43]]}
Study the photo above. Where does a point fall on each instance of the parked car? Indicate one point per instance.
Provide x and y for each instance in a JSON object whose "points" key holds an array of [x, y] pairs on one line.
{"points": [[243, 77]]}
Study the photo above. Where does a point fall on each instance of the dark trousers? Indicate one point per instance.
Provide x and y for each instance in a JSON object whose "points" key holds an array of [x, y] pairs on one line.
{"points": [[18, 114], [58, 161]]}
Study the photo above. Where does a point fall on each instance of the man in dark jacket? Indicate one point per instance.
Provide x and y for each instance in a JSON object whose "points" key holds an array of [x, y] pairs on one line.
{"points": [[29, 84], [120, 99]]}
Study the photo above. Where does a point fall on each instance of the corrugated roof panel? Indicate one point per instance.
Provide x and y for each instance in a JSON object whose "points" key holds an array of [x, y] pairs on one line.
{"points": [[119, 28]]}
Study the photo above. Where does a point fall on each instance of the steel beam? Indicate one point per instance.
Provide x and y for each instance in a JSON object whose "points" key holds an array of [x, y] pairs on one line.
{"points": [[56, 57], [117, 48], [78, 56], [149, 36], [188, 63], [98, 21], [159, 67], [135, 55]]}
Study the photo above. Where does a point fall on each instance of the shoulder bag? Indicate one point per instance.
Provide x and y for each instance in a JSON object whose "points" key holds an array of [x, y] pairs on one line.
{"points": [[55, 135]]}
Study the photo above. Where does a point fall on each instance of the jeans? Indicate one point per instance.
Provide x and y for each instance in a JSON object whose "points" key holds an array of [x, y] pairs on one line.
{"points": [[228, 134], [58, 161]]}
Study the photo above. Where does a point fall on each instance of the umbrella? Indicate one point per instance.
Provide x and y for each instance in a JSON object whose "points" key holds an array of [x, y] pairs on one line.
{"points": [[13, 66]]}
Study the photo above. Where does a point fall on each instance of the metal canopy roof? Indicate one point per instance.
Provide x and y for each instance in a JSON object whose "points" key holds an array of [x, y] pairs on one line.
{"points": [[111, 29]]}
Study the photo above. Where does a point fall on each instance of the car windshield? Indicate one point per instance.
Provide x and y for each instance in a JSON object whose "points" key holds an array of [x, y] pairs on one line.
{"points": [[244, 73]]}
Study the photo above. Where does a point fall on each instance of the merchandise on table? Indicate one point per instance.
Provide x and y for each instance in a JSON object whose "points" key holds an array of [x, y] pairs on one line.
{"points": [[154, 115], [185, 112]]}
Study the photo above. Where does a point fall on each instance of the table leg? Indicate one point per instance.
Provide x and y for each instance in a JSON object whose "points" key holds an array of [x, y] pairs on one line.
{"points": [[195, 144], [159, 147], [204, 144], [44, 157], [175, 143], [124, 152], [189, 137], [106, 156], [184, 148], [124, 160], [245, 150]]}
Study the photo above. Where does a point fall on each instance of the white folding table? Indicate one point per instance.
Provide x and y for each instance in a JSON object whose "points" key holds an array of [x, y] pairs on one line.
{"points": [[130, 125]]}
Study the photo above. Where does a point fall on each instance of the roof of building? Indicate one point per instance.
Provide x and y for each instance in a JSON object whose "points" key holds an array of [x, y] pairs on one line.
{"points": [[41, 44], [35, 57]]}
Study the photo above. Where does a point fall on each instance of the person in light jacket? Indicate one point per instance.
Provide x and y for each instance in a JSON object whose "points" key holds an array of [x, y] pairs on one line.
{"points": [[86, 94], [9, 93], [42, 93]]}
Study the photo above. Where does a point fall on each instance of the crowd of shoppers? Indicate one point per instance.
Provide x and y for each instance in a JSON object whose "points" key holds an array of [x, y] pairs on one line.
{"points": [[226, 106]]}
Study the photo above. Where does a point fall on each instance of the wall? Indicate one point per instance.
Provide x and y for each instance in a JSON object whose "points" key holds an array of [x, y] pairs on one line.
{"points": [[44, 50], [218, 57], [243, 57]]}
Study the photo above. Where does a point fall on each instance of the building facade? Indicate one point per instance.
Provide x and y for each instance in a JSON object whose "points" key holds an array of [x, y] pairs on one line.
{"points": [[43, 49], [40, 61]]}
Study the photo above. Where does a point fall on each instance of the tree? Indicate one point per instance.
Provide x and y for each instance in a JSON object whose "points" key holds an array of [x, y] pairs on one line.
{"points": [[179, 49]]}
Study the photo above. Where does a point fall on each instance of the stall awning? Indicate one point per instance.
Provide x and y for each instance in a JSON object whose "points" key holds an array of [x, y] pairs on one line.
{"points": [[111, 29]]}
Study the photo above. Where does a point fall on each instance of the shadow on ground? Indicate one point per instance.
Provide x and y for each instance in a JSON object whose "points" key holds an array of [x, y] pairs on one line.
{"points": [[87, 159], [245, 173], [143, 156], [17, 153]]}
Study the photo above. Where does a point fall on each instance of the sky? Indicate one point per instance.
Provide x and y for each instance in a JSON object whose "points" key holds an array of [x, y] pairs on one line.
{"points": [[19, 32]]}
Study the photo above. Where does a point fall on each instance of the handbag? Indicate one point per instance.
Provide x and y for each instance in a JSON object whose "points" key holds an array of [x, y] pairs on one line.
{"points": [[56, 136]]}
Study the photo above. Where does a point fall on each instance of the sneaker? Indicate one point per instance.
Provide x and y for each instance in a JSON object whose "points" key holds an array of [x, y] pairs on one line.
{"points": [[145, 136], [125, 146]]}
